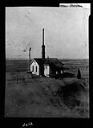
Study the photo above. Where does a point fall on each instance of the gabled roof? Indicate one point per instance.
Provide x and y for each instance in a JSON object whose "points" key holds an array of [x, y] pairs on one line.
{"points": [[53, 62], [38, 60]]}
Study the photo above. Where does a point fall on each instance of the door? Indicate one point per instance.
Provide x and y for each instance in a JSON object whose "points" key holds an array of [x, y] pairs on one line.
{"points": [[46, 70]]}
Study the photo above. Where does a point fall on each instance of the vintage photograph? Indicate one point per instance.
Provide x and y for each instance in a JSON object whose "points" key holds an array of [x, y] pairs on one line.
{"points": [[47, 61]]}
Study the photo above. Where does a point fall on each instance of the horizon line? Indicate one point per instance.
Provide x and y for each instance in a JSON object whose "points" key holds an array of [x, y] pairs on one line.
{"points": [[45, 58]]}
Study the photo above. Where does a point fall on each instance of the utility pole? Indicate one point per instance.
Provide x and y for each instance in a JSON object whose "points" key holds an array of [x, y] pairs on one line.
{"points": [[29, 57]]}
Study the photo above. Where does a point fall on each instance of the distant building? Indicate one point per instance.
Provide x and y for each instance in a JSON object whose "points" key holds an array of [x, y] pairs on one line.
{"points": [[48, 67]]}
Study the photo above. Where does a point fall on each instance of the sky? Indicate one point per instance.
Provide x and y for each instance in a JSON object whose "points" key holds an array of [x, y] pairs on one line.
{"points": [[66, 32]]}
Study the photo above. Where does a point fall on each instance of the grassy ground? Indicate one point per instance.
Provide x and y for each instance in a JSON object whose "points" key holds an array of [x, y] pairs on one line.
{"points": [[36, 98]]}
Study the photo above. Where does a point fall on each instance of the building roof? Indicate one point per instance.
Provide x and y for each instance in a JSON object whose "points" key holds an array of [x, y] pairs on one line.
{"points": [[39, 60], [53, 62]]}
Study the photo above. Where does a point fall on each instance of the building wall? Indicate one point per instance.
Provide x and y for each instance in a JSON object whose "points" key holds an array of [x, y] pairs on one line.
{"points": [[34, 68], [46, 70], [55, 72]]}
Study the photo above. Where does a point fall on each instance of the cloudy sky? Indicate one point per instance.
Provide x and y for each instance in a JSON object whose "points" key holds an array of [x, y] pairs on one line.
{"points": [[66, 31]]}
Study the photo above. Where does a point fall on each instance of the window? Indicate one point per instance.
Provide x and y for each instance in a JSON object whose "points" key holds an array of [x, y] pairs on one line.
{"points": [[61, 71], [32, 68], [56, 72], [36, 68]]}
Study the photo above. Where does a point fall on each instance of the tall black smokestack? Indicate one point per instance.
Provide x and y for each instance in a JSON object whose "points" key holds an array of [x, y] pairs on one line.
{"points": [[43, 47]]}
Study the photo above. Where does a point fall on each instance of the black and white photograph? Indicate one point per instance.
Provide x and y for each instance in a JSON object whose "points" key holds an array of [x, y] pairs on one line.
{"points": [[47, 61]]}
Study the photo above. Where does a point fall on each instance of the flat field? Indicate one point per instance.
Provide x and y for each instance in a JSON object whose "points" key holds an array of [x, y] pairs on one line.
{"points": [[39, 96]]}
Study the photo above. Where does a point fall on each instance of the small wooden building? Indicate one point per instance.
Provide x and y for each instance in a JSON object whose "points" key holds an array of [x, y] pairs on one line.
{"points": [[49, 67]]}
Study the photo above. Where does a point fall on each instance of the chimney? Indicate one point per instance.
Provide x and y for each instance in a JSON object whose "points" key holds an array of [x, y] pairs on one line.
{"points": [[43, 47]]}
